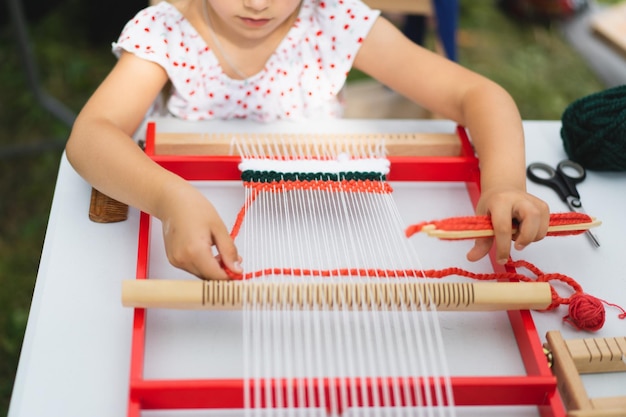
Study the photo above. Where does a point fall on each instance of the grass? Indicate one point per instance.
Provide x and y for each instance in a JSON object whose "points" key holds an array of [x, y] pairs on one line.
{"points": [[27, 179], [532, 61]]}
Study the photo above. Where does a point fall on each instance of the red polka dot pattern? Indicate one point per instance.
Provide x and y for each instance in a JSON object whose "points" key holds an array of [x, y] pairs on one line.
{"points": [[302, 79]]}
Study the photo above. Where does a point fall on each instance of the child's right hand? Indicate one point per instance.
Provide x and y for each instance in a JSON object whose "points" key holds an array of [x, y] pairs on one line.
{"points": [[191, 226]]}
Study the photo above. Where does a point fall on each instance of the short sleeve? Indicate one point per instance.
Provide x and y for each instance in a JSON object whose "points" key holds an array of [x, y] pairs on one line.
{"points": [[149, 34], [343, 25], [302, 79]]}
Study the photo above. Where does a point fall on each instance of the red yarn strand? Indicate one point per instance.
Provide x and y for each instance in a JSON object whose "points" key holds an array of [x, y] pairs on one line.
{"points": [[585, 312]]}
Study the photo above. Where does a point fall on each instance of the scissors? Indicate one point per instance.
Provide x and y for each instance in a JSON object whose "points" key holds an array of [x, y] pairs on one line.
{"points": [[563, 180]]}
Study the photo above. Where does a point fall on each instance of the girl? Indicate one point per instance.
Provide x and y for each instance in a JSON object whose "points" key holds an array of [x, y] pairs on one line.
{"points": [[280, 59]]}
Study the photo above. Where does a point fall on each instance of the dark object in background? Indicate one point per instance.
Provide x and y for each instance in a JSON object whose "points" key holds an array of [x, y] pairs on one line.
{"points": [[106, 19], [594, 130], [415, 28], [33, 9], [446, 13], [100, 22], [541, 10]]}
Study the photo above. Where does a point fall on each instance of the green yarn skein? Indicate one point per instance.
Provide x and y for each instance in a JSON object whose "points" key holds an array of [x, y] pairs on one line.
{"points": [[594, 130]]}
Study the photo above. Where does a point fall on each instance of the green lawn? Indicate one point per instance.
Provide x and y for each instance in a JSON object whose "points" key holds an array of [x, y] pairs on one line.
{"points": [[542, 73]]}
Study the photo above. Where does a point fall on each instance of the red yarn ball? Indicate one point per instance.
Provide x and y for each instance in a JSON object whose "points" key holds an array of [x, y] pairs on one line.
{"points": [[585, 312]]}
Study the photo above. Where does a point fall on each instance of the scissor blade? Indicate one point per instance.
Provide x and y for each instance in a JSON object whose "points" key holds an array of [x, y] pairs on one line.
{"points": [[576, 206], [594, 239]]}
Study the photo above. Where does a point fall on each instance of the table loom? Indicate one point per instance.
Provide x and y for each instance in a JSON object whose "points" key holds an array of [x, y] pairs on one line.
{"points": [[532, 385], [75, 358]]}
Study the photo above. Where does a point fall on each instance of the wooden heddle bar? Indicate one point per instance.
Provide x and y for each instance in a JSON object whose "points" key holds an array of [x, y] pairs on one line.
{"points": [[395, 144], [235, 295]]}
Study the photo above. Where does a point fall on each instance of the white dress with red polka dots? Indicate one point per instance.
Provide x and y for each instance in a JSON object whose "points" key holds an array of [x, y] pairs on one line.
{"points": [[302, 78]]}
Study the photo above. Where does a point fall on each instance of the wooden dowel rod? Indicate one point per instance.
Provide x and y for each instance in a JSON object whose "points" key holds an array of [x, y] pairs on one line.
{"points": [[234, 295], [432, 231]]}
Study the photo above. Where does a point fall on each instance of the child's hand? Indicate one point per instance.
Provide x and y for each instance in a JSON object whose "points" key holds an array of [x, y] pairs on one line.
{"points": [[191, 226], [505, 205]]}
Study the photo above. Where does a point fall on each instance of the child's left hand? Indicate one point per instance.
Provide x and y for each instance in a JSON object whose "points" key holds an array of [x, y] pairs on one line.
{"points": [[505, 205]]}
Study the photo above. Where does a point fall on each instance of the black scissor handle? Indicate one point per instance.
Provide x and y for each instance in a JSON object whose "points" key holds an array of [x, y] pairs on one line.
{"points": [[540, 173], [544, 174], [571, 170]]}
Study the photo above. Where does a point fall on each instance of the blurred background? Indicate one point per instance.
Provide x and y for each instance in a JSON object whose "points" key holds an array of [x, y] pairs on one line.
{"points": [[532, 54]]}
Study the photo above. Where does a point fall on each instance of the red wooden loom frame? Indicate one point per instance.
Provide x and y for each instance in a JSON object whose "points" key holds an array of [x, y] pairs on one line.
{"points": [[538, 387]]}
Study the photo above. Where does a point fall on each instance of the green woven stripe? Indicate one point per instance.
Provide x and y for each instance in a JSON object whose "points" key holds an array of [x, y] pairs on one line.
{"points": [[594, 130], [273, 176]]}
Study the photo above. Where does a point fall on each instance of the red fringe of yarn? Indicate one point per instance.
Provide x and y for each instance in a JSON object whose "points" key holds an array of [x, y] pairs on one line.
{"points": [[585, 311]]}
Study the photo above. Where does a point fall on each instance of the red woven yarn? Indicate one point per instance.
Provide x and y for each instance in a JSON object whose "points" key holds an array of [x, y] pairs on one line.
{"points": [[472, 223], [585, 312]]}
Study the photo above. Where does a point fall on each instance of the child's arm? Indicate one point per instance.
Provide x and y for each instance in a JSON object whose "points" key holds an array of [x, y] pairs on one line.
{"points": [[485, 109], [101, 150]]}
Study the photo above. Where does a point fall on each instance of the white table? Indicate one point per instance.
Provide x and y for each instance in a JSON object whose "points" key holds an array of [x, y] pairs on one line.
{"points": [[75, 357]]}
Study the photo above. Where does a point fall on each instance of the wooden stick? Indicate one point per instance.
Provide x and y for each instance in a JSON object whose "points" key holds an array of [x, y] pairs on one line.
{"points": [[395, 144], [432, 231], [613, 412], [568, 380], [610, 403], [610, 25], [234, 295], [422, 7]]}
